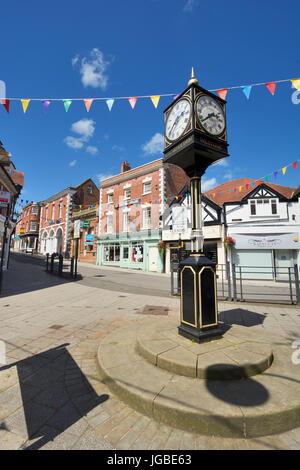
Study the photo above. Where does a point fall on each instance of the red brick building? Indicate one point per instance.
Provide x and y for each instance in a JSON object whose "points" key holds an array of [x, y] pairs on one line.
{"points": [[130, 214], [88, 219], [11, 183], [27, 228], [55, 232]]}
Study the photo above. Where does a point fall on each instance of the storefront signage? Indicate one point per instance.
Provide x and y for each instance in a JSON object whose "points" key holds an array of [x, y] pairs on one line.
{"points": [[89, 239], [278, 241], [179, 219], [77, 228], [85, 223], [4, 198], [22, 230]]}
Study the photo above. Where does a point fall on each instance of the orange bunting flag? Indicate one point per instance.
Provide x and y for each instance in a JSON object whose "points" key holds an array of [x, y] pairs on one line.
{"points": [[296, 83], [6, 105], [132, 101], [223, 93], [25, 104], [88, 104], [284, 170], [271, 87], [155, 100], [294, 165]]}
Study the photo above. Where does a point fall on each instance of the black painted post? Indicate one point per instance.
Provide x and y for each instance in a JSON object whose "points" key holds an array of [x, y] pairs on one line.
{"points": [[52, 262], [47, 261], [60, 264], [72, 266], [296, 275]]}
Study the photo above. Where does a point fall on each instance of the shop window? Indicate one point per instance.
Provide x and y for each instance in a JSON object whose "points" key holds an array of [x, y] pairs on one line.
{"points": [[126, 252], [137, 253], [111, 252]]}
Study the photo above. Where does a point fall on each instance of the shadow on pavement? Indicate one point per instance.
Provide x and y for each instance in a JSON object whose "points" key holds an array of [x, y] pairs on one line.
{"points": [[241, 316], [46, 402], [25, 275]]}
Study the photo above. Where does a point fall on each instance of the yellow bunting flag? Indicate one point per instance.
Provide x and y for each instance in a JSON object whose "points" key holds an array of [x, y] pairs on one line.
{"points": [[240, 188], [296, 83], [284, 170], [25, 104], [155, 100]]}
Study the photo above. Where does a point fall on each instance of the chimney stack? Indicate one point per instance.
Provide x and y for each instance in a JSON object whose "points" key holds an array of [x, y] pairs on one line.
{"points": [[125, 167]]}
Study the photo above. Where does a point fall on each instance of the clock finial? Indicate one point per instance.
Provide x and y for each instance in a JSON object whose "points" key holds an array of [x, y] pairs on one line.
{"points": [[193, 79]]}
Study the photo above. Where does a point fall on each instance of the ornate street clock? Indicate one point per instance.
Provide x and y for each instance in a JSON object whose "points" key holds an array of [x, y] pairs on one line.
{"points": [[195, 138], [195, 129]]}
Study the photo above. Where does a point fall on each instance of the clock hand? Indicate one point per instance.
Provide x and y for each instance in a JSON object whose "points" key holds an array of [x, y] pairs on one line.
{"points": [[207, 117]]}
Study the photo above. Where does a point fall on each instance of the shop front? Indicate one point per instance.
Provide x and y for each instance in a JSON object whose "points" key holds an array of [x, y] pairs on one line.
{"points": [[265, 256], [136, 251]]}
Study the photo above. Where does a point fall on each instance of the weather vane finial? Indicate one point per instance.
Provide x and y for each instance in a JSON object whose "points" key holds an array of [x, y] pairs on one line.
{"points": [[193, 79]]}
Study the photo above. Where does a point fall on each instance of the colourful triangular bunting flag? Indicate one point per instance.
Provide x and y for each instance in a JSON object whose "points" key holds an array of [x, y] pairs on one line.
{"points": [[6, 104], [271, 87], [296, 83], [284, 170], [222, 93], [88, 104], [46, 104], [67, 104], [275, 174], [25, 104], [294, 165], [132, 101], [247, 90], [110, 103], [155, 100]]}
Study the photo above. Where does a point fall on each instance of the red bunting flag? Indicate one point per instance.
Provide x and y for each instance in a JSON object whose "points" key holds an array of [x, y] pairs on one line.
{"points": [[294, 165], [132, 101], [259, 181], [88, 104], [6, 105], [271, 87], [223, 93]]}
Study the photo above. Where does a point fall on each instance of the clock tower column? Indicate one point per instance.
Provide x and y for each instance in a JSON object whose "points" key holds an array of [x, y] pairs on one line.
{"points": [[195, 138]]}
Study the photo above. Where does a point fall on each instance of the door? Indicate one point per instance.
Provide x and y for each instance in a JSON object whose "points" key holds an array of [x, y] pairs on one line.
{"points": [[283, 261], [153, 252]]}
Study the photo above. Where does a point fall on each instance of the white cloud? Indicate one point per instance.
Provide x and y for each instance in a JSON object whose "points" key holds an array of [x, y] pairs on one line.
{"points": [[73, 163], [93, 69], [155, 144], [103, 176], [228, 176], [208, 184], [222, 162], [73, 142], [189, 5], [85, 128], [118, 148], [92, 150]]}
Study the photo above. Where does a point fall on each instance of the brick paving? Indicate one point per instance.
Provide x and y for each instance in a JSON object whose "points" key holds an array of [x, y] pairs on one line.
{"points": [[51, 396]]}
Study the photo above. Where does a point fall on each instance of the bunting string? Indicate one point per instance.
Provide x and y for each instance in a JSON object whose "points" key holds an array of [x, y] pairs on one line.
{"points": [[222, 92]]}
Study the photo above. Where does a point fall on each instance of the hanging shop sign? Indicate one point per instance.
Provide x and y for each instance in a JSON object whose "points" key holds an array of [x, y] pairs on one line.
{"points": [[77, 225], [85, 223], [89, 239], [4, 198]]}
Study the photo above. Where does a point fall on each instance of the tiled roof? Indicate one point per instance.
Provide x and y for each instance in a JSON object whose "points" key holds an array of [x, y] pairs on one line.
{"points": [[236, 190]]}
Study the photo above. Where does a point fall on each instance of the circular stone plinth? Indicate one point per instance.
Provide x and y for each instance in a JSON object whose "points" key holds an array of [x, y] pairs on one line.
{"points": [[228, 357]]}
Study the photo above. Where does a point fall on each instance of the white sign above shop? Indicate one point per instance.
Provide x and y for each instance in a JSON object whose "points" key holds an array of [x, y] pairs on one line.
{"points": [[275, 241]]}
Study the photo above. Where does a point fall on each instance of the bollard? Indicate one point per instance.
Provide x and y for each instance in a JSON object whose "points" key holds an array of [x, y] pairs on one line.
{"points": [[60, 264]]}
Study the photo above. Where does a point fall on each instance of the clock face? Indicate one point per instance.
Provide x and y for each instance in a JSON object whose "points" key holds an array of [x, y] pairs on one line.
{"points": [[178, 119], [210, 115]]}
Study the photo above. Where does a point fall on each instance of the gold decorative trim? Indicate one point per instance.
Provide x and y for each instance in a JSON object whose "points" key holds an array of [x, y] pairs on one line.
{"points": [[195, 297], [200, 298]]}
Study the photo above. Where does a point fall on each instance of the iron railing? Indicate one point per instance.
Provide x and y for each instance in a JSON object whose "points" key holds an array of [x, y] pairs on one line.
{"points": [[247, 283]]}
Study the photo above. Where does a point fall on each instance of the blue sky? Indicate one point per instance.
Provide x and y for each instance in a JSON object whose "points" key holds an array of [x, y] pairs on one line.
{"points": [[117, 49]]}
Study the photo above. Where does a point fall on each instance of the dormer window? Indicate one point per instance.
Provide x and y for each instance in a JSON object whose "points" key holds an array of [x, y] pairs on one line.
{"points": [[89, 190], [263, 207]]}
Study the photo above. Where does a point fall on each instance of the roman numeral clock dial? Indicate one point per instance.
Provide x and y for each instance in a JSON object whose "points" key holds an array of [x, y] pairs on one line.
{"points": [[210, 115], [178, 119]]}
